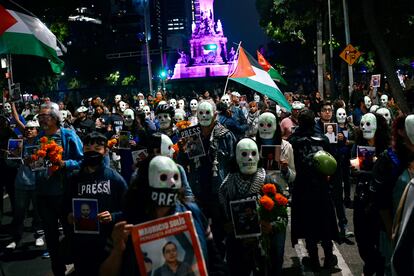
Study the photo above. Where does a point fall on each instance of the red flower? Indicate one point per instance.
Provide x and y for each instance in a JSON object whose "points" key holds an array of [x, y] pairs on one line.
{"points": [[269, 189], [43, 140], [41, 153], [267, 202], [281, 200]]}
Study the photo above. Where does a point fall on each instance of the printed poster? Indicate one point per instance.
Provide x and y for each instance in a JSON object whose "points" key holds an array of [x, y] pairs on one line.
{"points": [[139, 155], [270, 155], [331, 132], [366, 157], [195, 147], [15, 149], [245, 218], [85, 213], [168, 241], [376, 80], [35, 165], [124, 137]]}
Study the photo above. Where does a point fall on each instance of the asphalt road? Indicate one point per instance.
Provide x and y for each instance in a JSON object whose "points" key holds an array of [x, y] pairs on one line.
{"points": [[28, 261]]}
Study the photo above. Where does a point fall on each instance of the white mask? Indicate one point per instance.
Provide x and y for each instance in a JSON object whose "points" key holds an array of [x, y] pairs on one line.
{"points": [[179, 115], [384, 101], [267, 125], [162, 102], [129, 117], [256, 98], [247, 156], [205, 114], [409, 127], [141, 104], [368, 126], [385, 112], [164, 180], [122, 106], [63, 115], [173, 103], [226, 100], [193, 105], [341, 115], [367, 101], [181, 104], [7, 108], [373, 108], [146, 110], [278, 111], [117, 98], [165, 120], [166, 146]]}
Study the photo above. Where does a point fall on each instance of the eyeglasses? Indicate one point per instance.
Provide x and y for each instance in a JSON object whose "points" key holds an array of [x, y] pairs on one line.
{"points": [[327, 110]]}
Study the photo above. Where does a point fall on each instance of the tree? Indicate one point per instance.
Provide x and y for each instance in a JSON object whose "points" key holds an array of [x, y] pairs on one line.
{"points": [[129, 80]]}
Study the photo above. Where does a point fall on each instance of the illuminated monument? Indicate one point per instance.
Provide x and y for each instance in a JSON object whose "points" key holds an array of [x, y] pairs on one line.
{"points": [[208, 50]]}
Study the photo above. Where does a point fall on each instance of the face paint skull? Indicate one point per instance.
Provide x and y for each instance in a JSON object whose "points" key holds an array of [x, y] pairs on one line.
{"points": [[267, 125], [173, 103], [385, 112], [384, 101], [117, 98], [193, 105], [341, 115], [166, 146], [205, 114], [226, 100], [367, 102], [181, 104], [122, 106], [165, 120], [368, 126], [146, 110], [179, 115], [7, 108], [164, 180], [373, 108], [247, 156], [129, 117], [256, 98], [141, 104], [409, 127]]}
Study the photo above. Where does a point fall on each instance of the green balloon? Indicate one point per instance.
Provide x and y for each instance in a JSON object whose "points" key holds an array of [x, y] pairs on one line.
{"points": [[324, 162]]}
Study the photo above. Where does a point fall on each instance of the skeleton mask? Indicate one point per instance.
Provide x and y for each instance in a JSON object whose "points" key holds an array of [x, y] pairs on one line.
{"points": [[122, 106], [162, 102], [141, 104], [7, 108], [256, 98], [341, 115], [247, 156], [193, 105], [384, 101], [129, 117], [267, 125], [409, 127], [367, 102], [117, 98], [166, 146], [164, 180], [385, 112], [146, 110], [368, 126], [179, 115], [181, 104], [63, 115], [373, 108], [226, 99], [173, 103], [165, 120], [205, 113]]}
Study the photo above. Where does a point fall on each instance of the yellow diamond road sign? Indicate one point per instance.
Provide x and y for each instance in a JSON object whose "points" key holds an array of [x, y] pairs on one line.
{"points": [[350, 54]]}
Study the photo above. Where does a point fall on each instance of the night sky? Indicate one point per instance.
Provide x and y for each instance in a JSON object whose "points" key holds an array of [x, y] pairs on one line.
{"points": [[240, 23]]}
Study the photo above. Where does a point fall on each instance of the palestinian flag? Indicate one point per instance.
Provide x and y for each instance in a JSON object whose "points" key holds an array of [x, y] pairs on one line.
{"points": [[249, 73], [23, 34], [274, 74]]}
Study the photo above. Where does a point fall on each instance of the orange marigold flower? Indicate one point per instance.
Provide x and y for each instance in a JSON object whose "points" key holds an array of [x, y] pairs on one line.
{"points": [[41, 153], [43, 140], [269, 189], [54, 168], [267, 202], [281, 200], [35, 157], [175, 148]]}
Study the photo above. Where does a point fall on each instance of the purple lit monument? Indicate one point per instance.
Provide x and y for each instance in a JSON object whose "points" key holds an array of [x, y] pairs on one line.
{"points": [[208, 50]]}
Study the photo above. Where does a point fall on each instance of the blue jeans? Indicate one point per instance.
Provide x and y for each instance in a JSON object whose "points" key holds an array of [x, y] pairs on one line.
{"points": [[23, 198]]}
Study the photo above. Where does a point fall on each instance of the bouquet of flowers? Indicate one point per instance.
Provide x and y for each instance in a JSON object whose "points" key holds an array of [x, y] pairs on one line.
{"points": [[112, 143], [183, 125], [273, 209], [50, 151]]}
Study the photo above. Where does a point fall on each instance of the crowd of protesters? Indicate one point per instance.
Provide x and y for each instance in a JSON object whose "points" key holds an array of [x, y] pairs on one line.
{"points": [[234, 129]]}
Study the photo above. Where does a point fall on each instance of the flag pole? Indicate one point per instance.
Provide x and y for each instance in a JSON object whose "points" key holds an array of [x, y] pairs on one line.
{"points": [[228, 75], [9, 76]]}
